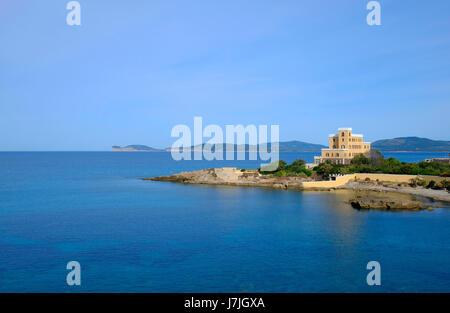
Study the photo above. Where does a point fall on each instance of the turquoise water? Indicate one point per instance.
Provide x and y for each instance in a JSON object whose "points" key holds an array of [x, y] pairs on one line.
{"points": [[133, 235]]}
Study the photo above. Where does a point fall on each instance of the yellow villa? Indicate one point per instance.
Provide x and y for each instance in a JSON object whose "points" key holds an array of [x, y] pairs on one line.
{"points": [[343, 146]]}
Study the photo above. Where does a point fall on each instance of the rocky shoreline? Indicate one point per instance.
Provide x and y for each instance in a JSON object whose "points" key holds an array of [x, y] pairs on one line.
{"points": [[391, 202], [233, 177], [435, 195], [369, 195]]}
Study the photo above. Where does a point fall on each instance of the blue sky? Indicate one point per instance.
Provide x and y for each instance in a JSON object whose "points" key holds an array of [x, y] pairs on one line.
{"points": [[134, 69]]}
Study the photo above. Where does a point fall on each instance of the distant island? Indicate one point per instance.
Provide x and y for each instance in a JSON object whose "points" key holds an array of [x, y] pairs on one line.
{"points": [[412, 144], [136, 148], [401, 144], [287, 146]]}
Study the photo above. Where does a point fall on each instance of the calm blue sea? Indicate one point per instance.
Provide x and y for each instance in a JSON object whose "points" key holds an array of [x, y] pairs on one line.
{"points": [[133, 235]]}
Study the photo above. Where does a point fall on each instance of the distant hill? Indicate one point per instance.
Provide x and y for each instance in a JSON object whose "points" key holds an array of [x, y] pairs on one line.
{"points": [[141, 148], [411, 144], [300, 146], [287, 146]]}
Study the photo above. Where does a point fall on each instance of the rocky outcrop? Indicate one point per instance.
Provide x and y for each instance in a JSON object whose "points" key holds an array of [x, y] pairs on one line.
{"points": [[367, 195], [361, 186], [232, 176], [386, 203]]}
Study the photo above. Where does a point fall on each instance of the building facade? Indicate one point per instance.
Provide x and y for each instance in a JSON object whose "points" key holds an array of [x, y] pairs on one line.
{"points": [[342, 147]]}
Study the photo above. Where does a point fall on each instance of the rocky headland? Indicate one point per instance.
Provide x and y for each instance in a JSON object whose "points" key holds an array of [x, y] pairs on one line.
{"points": [[234, 177], [367, 195]]}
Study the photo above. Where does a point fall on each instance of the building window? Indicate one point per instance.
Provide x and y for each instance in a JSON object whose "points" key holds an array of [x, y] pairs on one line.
{"points": [[337, 154]]}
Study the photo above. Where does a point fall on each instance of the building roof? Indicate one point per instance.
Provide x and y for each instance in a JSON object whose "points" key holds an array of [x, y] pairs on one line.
{"points": [[345, 128]]}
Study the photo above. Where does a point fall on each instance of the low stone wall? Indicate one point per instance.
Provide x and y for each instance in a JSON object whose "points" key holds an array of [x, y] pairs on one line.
{"points": [[342, 180]]}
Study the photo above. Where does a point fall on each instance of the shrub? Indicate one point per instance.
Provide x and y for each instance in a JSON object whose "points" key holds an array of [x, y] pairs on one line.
{"points": [[296, 168], [360, 159], [325, 170], [281, 165], [281, 173], [445, 184], [431, 184], [421, 183], [367, 179], [307, 172], [298, 163]]}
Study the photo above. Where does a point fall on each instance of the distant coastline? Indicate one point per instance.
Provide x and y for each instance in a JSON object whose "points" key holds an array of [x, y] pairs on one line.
{"points": [[135, 148], [401, 145]]}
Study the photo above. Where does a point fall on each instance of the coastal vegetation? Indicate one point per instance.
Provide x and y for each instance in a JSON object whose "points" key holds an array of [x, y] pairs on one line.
{"points": [[296, 168], [376, 164]]}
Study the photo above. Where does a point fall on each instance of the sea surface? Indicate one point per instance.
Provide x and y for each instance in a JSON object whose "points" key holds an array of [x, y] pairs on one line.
{"points": [[131, 235]]}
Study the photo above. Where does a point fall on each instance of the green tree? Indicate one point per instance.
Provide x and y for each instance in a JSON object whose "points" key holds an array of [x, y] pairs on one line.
{"points": [[360, 159], [281, 165], [325, 170]]}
